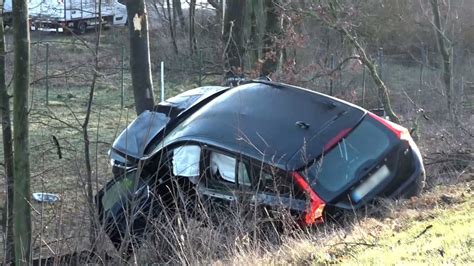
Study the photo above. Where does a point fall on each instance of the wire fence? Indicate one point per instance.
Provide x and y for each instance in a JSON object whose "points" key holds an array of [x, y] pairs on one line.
{"points": [[414, 81]]}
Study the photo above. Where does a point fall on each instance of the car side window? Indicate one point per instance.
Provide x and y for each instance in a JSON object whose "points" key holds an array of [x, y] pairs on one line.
{"points": [[243, 174], [223, 167], [226, 170]]}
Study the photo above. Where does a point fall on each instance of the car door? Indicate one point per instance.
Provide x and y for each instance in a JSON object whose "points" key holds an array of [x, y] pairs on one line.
{"points": [[225, 179], [274, 190], [176, 171]]}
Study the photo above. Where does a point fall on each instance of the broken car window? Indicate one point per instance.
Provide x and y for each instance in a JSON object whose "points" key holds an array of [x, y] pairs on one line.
{"points": [[186, 161], [223, 166], [339, 167], [243, 177]]}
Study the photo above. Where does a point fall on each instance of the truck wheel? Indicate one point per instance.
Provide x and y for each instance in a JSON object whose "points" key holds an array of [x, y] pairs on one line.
{"points": [[81, 27], [107, 22]]}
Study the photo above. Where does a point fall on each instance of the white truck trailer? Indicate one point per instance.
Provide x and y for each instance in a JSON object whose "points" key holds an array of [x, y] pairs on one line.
{"points": [[70, 15]]}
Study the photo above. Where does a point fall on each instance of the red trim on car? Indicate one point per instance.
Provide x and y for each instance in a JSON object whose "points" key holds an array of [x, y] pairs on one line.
{"points": [[336, 139], [399, 131], [314, 213]]}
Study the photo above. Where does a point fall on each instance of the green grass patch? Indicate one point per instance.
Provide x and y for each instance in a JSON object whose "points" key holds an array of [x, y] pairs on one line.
{"points": [[447, 237]]}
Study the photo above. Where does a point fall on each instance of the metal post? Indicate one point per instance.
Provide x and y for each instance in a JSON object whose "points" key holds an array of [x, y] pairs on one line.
{"points": [[47, 74], [422, 66], [381, 62], [200, 68], [331, 77], [122, 91], [162, 81], [363, 87], [461, 93]]}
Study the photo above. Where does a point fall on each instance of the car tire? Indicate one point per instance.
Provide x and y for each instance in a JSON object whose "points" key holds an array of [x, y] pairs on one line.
{"points": [[415, 189]]}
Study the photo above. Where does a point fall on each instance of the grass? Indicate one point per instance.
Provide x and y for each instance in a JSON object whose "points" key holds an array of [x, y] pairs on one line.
{"points": [[448, 239], [437, 228], [442, 235]]}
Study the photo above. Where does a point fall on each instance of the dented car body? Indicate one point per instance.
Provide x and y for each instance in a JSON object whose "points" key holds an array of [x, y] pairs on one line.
{"points": [[263, 143]]}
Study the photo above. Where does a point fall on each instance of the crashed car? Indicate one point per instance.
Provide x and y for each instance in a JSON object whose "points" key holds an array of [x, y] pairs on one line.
{"points": [[263, 143]]}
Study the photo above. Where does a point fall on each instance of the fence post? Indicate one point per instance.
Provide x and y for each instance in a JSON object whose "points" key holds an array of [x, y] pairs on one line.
{"points": [[363, 87], [380, 52], [461, 95], [162, 81], [200, 68], [422, 69], [122, 91], [331, 77], [47, 74]]}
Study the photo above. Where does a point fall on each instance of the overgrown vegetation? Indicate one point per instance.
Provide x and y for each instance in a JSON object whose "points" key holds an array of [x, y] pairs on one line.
{"points": [[435, 228]]}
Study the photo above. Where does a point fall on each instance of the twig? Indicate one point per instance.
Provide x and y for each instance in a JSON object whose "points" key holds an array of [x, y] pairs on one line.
{"points": [[424, 231], [58, 147]]}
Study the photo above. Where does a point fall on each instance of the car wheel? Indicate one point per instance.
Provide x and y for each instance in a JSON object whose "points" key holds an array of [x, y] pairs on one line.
{"points": [[416, 187]]}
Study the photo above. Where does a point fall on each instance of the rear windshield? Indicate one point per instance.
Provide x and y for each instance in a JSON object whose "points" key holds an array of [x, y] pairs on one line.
{"points": [[337, 168]]}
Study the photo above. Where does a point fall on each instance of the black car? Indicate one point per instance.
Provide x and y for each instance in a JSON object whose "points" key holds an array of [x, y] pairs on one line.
{"points": [[266, 144]]}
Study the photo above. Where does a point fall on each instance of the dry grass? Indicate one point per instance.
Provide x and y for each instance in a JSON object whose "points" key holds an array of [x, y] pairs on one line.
{"points": [[436, 228]]}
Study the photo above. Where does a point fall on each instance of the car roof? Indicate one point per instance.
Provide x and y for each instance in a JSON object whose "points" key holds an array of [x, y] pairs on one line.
{"points": [[276, 123]]}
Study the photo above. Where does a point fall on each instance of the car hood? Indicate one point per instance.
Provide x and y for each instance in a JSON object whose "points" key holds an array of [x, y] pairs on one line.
{"points": [[136, 137]]}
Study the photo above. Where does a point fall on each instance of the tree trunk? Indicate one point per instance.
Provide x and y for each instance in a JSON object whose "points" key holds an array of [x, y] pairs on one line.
{"points": [[330, 17], [7, 151], [381, 87], [140, 65], [21, 78], [255, 45], [179, 11], [172, 27], [271, 50], [443, 44], [192, 35], [93, 232], [233, 37]]}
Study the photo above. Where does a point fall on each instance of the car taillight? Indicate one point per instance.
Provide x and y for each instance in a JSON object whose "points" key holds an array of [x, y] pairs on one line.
{"points": [[399, 131], [314, 213]]}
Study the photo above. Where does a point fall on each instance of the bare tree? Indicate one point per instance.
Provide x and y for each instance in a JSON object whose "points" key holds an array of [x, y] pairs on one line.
{"points": [[140, 65], [21, 157], [172, 27], [234, 43], [335, 16], [271, 50], [168, 18], [444, 46], [7, 150], [192, 20], [85, 133], [178, 12]]}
